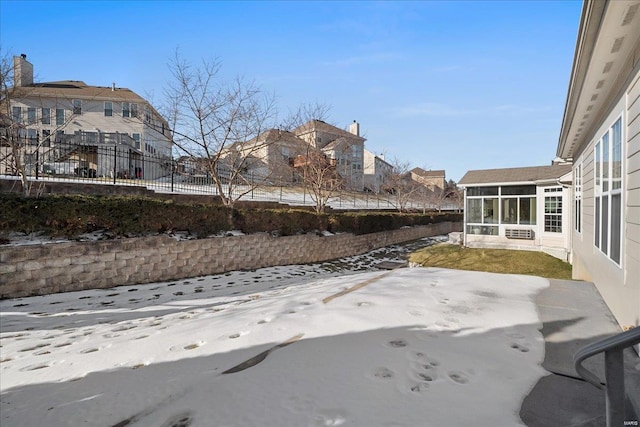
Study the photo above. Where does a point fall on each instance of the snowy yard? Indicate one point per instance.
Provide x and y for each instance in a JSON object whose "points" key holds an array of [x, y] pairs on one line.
{"points": [[337, 343]]}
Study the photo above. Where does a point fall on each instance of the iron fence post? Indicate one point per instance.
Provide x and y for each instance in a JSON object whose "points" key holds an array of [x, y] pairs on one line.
{"points": [[173, 168], [38, 159], [115, 163]]}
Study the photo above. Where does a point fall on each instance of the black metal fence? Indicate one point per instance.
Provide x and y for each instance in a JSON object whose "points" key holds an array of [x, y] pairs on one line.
{"points": [[124, 164]]}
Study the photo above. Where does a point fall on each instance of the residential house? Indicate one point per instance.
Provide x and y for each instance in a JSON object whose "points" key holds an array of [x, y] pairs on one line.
{"points": [[346, 148], [518, 208], [269, 156], [431, 179], [375, 170], [67, 121], [600, 132]]}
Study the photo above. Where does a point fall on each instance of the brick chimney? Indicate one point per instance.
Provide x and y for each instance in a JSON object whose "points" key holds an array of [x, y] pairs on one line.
{"points": [[354, 128], [22, 71]]}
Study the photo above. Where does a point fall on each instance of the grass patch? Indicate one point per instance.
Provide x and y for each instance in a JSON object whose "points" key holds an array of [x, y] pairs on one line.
{"points": [[492, 260]]}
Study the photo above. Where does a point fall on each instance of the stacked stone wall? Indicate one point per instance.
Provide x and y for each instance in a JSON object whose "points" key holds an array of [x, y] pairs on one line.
{"points": [[72, 266]]}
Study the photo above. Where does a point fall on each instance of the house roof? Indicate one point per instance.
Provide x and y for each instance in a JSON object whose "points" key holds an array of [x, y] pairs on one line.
{"points": [[608, 35], [73, 89], [268, 137], [274, 135], [428, 174], [333, 145], [515, 175], [320, 126]]}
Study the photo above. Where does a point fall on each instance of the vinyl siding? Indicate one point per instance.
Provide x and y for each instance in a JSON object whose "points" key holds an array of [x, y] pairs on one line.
{"points": [[618, 285], [632, 243]]}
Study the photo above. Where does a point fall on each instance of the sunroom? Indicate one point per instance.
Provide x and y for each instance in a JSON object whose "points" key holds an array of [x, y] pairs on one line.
{"points": [[518, 208]]}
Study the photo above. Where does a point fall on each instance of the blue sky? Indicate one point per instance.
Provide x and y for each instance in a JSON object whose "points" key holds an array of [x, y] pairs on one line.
{"points": [[456, 85]]}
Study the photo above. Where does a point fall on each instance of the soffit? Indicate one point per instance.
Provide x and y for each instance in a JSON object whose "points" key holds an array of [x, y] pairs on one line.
{"points": [[608, 38]]}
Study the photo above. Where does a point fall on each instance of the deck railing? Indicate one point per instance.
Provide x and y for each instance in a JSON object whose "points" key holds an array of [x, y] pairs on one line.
{"points": [[613, 349]]}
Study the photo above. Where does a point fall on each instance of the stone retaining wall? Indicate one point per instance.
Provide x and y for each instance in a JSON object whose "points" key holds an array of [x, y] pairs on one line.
{"points": [[65, 267]]}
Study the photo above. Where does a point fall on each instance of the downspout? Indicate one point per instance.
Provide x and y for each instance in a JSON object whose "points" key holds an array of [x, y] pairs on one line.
{"points": [[464, 218]]}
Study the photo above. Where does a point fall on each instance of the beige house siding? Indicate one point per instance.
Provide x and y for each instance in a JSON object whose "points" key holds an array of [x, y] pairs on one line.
{"points": [[618, 284], [604, 87], [632, 242]]}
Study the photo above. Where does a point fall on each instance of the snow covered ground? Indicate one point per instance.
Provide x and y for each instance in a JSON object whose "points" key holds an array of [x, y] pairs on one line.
{"points": [[337, 343]]}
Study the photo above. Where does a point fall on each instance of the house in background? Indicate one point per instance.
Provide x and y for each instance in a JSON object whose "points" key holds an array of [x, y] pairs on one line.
{"points": [[375, 170], [346, 148], [601, 133], [70, 120], [430, 179], [271, 155], [518, 208]]}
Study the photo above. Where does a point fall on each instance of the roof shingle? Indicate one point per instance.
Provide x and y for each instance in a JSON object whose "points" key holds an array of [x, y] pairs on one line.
{"points": [[525, 174]]}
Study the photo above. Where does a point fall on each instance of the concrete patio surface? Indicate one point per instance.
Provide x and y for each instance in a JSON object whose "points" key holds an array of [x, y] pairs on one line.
{"points": [[574, 315]]}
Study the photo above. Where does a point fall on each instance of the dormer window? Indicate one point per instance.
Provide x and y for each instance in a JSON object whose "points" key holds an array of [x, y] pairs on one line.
{"points": [[108, 109]]}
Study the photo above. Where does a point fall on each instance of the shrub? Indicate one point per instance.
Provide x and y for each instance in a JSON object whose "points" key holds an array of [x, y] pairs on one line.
{"points": [[132, 215]]}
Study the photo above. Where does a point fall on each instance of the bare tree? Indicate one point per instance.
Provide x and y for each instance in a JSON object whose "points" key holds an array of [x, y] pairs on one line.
{"points": [[307, 111], [216, 125], [401, 186], [21, 136], [319, 176], [12, 129]]}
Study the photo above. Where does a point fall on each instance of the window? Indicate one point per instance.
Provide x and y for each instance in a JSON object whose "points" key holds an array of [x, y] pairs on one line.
{"points": [[46, 138], [136, 138], [500, 205], [32, 136], [509, 211], [608, 193], [45, 116], [482, 191], [577, 197], [77, 106], [134, 110], [490, 211], [31, 115], [518, 210], [59, 116], [108, 109], [553, 210], [16, 113], [126, 109], [356, 151]]}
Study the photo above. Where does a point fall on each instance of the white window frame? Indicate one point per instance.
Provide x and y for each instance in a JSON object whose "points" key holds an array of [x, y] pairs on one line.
{"points": [[551, 223], [604, 193], [577, 197]]}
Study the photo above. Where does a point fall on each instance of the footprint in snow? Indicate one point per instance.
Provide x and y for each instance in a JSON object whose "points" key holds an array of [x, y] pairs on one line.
{"points": [[35, 367], [35, 347], [383, 373], [180, 420], [458, 377], [191, 346], [399, 343], [520, 347]]}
